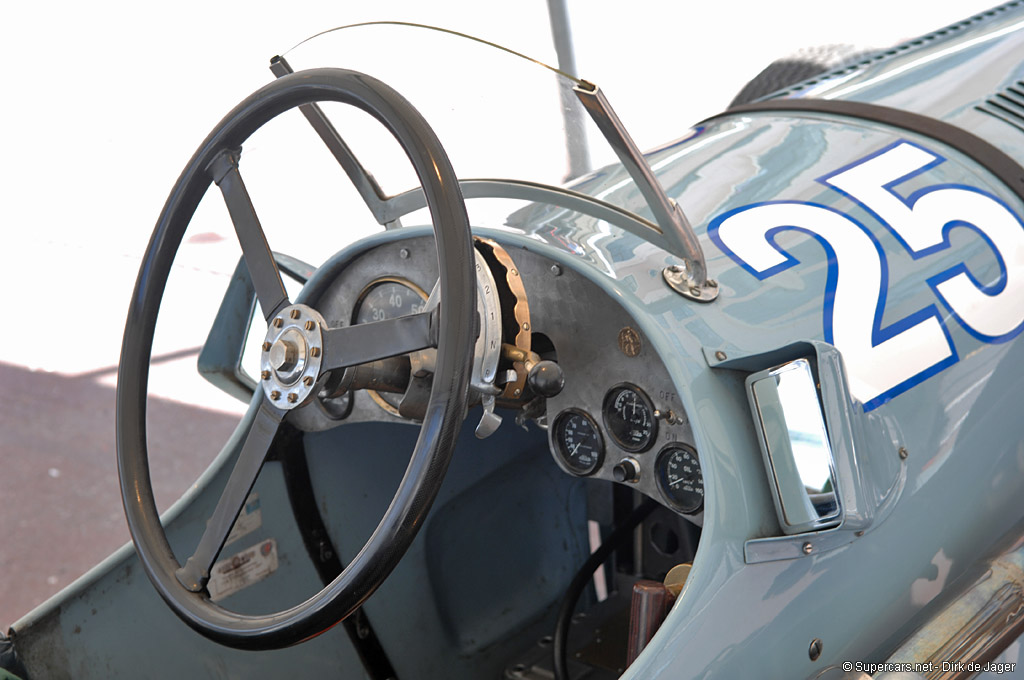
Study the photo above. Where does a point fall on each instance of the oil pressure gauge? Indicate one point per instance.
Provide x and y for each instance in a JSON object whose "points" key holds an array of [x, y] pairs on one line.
{"points": [[629, 417], [680, 479], [578, 442]]}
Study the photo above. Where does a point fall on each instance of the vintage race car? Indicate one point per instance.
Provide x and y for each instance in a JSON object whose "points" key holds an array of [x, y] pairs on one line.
{"points": [[741, 406]]}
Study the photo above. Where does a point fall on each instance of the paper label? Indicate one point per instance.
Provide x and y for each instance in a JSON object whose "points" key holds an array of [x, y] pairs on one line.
{"points": [[243, 569]]}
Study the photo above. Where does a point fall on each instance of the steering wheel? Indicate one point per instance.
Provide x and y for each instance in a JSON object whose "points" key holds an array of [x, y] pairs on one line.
{"points": [[299, 349]]}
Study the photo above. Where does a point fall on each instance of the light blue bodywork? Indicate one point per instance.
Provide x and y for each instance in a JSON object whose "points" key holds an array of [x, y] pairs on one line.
{"points": [[917, 528]]}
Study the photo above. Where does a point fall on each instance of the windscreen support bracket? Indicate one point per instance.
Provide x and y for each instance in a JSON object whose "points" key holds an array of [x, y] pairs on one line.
{"points": [[365, 184], [674, 233]]}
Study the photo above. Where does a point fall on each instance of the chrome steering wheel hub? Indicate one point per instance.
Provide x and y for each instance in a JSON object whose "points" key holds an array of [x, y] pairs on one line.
{"points": [[292, 354]]}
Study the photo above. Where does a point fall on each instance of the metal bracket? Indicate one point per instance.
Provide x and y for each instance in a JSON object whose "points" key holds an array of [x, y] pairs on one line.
{"points": [[674, 233]]}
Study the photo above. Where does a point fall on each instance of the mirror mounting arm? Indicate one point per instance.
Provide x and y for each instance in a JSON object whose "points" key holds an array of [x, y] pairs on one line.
{"points": [[675, 233]]}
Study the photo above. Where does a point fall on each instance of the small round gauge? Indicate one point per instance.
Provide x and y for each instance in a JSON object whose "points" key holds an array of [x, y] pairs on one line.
{"points": [[680, 479], [629, 417], [388, 297], [578, 442]]}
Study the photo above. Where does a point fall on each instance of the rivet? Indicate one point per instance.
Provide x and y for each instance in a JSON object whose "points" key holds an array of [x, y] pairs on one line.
{"points": [[404, 253], [265, 375], [695, 291], [310, 325], [314, 352], [814, 651], [292, 398], [720, 355], [526, 326], [903, 453], [518, 392], [807, 548], [556, 270], [266, 346], [515, 273], [275, 395], [308, 381], [296, 314], [278, 322]]}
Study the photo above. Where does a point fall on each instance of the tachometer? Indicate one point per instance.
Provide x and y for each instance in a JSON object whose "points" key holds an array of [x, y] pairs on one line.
{"points": [[629, 417], [578, 442], [388, 297], [680, 479]]}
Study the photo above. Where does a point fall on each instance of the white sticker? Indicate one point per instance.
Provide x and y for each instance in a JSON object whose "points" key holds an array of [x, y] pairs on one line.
{"points": [[243, 569], [249, 519]]}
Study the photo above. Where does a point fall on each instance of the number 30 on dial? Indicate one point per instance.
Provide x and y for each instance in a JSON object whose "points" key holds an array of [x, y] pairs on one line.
{"points": [[885, 361]]}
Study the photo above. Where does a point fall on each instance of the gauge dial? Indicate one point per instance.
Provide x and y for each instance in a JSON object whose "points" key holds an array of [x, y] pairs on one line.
{"points": [[387, 298], [680, 479], [629, 417], [578, 442]]}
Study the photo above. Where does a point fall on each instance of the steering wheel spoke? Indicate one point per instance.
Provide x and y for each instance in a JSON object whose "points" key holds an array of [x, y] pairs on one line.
{"points": [[298, 349], [196, 572], [259, 259], [366, 342]]}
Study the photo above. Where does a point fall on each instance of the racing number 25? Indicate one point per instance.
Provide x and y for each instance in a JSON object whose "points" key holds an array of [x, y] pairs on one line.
{"points": [[883, 362]]}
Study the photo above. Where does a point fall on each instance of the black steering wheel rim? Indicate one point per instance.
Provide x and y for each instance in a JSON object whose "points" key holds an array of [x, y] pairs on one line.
{"points": [[449, 393]]}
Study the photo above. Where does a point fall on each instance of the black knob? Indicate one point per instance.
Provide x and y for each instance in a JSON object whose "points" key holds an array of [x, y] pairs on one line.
{"points": [[626, 470], [546, 379]]}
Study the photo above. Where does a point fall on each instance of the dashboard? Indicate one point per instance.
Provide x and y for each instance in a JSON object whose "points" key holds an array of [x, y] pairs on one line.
{"points": [[616, 417]]}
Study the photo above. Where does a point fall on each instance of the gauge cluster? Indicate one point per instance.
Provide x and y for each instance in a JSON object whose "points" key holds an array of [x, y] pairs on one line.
{"points": [[618, 416], [631, 421]]}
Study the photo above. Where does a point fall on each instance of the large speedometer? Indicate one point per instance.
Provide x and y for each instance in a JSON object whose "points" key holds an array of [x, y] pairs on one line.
{"points": [[385, 298]]}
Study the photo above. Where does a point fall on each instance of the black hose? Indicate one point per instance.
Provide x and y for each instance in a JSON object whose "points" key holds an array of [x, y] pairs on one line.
{"points": [[621, 532]]}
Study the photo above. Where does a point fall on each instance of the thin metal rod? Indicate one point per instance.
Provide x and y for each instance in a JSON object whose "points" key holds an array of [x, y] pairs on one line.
{"points": [[371, 192], [575, 135]]}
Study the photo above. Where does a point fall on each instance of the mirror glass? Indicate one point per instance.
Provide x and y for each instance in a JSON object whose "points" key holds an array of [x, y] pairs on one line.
{"points": [[796, 446]]}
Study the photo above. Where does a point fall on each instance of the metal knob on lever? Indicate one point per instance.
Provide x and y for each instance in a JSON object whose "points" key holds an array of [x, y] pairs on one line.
{"points": [[546, 379]]}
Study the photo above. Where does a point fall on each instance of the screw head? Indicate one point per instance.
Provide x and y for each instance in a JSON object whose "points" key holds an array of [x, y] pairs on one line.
{"points": [[275, 395], [903, 453], [266, 346], [556, 270], [292, 398], [814, 651], [296, 314], [278, 321], [314, 352], [310, 325], [807, 547], [694, 291], [265, 375], [720, 355], [404, 253], [308, 381]]}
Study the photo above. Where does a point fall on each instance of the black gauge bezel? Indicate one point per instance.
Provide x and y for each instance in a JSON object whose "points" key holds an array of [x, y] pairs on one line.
{"points": [[648, 404], [661, 477], [559, 443]]}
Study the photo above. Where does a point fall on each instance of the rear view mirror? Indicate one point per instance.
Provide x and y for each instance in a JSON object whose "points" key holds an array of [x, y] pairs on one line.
{"points": [[794, 442]]}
